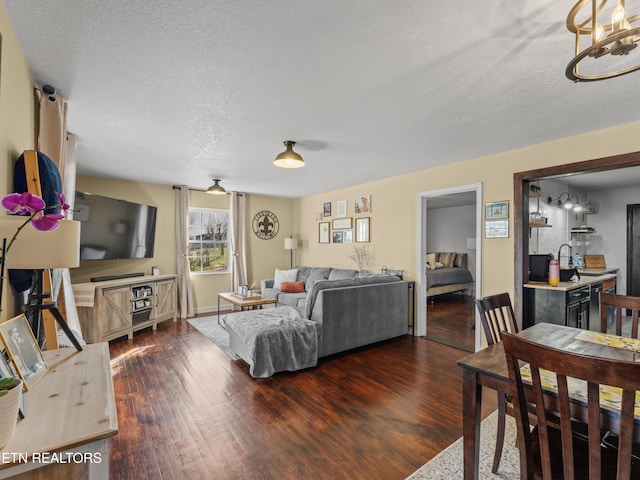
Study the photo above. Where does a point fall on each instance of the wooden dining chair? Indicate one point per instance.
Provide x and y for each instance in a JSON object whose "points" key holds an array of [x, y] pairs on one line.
{"points": [[552, 449], [619, 303], [497, 316]]}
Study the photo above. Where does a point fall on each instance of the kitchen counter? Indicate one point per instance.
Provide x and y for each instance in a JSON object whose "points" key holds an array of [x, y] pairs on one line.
{"points": [[594, 272], [585, 279]]}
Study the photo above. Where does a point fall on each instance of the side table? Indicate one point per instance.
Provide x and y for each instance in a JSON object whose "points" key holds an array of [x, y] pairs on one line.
{"points": [[70, 415], [244, 302]]}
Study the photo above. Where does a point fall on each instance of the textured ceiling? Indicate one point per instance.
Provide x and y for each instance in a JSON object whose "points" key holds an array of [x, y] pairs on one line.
{"points": [[181, 92]]}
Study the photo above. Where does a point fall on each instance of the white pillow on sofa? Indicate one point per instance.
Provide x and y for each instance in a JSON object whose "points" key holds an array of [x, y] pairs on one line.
{"points": [[284, 276]]}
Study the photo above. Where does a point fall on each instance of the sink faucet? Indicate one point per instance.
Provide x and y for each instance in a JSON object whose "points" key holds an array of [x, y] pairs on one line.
{"points": [[570, 253]]}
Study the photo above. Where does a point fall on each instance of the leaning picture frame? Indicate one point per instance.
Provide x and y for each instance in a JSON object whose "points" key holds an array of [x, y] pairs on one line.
{"points": [[24, 353]]}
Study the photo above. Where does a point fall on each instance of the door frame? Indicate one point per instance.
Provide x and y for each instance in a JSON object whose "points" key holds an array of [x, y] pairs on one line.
{"points": [[421, 280], [521, 181]]}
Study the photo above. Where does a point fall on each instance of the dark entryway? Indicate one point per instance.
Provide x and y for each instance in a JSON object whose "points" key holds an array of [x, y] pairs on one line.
{"points": [[633, 250]]}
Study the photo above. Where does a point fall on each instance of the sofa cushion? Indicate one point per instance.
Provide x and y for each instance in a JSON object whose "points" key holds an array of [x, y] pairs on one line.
{"points": [[284, 276], [270, 292], [292, 299], [431, 261], [292, 287], [342, 274], [316, 274], [303, 273], [461, 260], [448, 259]]}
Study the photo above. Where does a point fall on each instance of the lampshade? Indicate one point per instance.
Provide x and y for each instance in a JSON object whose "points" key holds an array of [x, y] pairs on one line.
{"points": [[36, 250], [216, 189], [290, 243], [289, 158]]}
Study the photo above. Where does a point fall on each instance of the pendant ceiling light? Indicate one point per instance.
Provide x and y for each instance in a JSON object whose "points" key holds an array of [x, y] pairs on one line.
{"points": [[216, 189], [612, 32], [289, 158]]}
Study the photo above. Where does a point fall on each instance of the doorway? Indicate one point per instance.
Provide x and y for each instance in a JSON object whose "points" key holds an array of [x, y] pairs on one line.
{"points": [[464, 203], [521, 183], [633, 250]]}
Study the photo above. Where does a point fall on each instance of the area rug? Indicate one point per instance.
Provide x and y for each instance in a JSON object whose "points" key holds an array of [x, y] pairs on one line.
{"points": [[209, 327], [448, 464]]}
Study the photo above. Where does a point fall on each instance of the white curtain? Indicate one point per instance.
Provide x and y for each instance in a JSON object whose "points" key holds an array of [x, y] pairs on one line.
{"points": [[52, 132], [185, 289], [238, 256], [60, 146]]}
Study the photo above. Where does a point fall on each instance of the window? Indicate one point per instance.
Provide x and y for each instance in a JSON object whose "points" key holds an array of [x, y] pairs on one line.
{"points": [[208, 240]]}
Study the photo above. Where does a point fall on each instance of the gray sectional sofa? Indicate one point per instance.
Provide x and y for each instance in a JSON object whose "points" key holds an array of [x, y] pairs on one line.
{"points": [[351, 309]]}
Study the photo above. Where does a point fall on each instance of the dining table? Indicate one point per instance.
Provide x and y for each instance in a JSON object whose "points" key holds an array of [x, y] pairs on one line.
{"points": [[488, 368]]}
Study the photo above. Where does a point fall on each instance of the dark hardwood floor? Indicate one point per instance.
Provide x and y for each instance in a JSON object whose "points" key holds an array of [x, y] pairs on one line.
{"points": [[186, 410], [450, 321]]}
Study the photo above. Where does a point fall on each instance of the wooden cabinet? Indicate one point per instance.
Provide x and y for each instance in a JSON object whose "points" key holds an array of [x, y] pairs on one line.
{"points": [[112, 309], [166, 300], [575, 306]]}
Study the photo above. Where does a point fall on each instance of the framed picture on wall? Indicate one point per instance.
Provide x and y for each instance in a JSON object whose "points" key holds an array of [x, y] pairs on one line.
{"points": [[341, 208], [496, 229], [326, 209], [323, 232], [341, 223], [496, 210], [337, 237], [362, 229], [362, 204]]}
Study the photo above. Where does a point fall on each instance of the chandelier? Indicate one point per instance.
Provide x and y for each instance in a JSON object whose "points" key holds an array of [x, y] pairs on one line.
{"points": [[612, 32]]}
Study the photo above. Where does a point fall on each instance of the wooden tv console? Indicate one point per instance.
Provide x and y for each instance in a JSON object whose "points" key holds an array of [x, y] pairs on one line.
{"points": [[115, 308]]}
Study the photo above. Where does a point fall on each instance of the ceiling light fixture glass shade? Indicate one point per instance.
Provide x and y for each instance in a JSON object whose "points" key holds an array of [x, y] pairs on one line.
{"points": [[289, 158], [613, 32], [216, 189]]}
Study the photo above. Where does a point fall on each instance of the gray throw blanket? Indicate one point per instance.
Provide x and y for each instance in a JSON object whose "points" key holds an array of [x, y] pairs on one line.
{"points": [[278, 338]]}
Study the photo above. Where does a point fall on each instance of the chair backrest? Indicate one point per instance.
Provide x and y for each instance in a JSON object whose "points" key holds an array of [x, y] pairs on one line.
{"points": [[619, 303], [496, 315], [560, 410]]}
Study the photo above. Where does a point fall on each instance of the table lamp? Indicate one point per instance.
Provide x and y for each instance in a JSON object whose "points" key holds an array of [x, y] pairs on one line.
{"points": [[37, 250], [291, 244]]}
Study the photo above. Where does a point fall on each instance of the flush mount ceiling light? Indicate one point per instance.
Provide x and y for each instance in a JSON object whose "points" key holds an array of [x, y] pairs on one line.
{"points": [[607, 55], [289, 158], [216, 189]]}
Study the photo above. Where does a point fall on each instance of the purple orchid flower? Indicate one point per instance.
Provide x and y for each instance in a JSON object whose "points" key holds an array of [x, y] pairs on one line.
{"points": [[22, 203], [61, 203], [32, 208], [46, 222]]}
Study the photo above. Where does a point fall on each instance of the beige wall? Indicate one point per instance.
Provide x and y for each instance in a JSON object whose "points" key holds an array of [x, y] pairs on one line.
{"points": [[263, 255], [394, 203], [17, 116], [160, 196]]}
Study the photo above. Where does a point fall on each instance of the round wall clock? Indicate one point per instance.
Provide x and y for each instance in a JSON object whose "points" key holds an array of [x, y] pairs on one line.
{"points": [[265, 225]]}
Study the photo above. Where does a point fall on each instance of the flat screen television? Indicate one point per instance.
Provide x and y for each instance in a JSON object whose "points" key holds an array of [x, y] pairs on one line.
{"points": [[113, 229]]}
